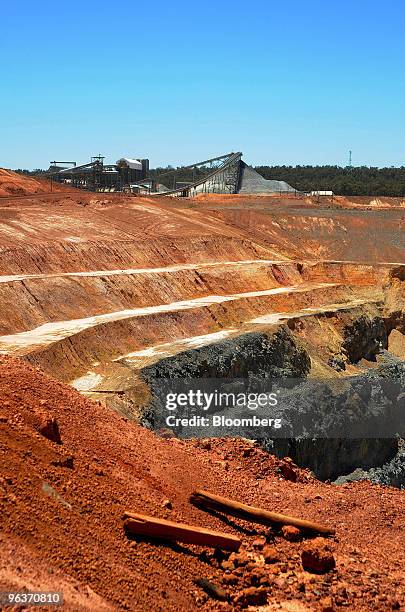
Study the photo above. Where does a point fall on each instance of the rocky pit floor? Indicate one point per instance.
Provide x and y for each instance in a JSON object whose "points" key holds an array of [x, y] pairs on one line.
{"points": [[96, 287]]}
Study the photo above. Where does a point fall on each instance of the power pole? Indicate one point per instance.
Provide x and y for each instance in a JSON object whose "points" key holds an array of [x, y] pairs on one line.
{"points": [[350, 159]]}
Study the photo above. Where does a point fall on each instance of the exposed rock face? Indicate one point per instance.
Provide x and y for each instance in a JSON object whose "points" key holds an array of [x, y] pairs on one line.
{"points": [[336, 430], [391, 473], [255, 354], [364, 338], [252, 357], [369, 402], [329, 458], [396, 344]]}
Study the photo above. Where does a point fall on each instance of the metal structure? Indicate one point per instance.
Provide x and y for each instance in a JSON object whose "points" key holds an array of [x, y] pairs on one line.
{"points": [[96, 176], [226, 174], [215, 175], [85, 176]]}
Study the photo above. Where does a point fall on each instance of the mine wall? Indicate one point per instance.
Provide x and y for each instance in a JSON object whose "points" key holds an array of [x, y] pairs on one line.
{"points": [[82, 296], [74, 297], [340, 235], [114, 339], [76, 255], [362, 304], [282, 355]]}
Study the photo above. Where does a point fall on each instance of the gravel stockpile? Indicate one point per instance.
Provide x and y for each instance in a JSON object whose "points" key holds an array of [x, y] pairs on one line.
{"points": [[252, 182]]}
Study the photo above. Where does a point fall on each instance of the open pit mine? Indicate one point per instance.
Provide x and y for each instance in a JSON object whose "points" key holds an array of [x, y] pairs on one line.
{"points": [[101, 294]]}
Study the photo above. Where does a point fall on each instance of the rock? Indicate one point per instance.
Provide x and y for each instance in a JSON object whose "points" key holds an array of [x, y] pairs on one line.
{"points": [[259, 543], [252, 596], [290, 533], [341, 591], [394, 603], [49, 428], [326, 604], [317, 556], [228, 565], [167, 504], [239, 559], [337, 362], [288, 471], [166, 433], [364, 337], [271, 554], [220, 554], [66, 462], [230, 579], [257, 575]]}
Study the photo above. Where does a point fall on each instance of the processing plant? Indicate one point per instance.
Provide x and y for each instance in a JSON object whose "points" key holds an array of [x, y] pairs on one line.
{"points": [[226, 174]]}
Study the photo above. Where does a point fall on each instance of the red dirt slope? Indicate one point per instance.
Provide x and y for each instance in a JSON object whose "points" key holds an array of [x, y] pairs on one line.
{"points": [[12, 183], [61, 508]]}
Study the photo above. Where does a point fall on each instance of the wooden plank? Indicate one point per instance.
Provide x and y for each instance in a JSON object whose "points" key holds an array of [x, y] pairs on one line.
{"points": [[150, 526], [212, 589], [209, 501]]}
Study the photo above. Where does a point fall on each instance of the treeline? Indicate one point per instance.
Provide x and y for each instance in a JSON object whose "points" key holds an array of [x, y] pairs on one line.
{"points": [[360, 180]]}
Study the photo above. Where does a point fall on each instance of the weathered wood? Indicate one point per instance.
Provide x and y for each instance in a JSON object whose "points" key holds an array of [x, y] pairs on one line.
{"points": [[141, 524], [209, 501], [213, 590]]}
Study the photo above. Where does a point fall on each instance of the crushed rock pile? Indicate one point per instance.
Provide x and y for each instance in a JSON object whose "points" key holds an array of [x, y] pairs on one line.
{"points": [[252, 182]]}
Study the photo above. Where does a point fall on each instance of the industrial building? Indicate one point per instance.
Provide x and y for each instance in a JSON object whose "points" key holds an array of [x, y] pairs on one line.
{"points": [[226, 174], [127, 174]]}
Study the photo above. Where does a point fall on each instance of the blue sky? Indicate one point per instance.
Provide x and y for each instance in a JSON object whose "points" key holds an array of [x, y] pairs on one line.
{"points": [[291, 82]]}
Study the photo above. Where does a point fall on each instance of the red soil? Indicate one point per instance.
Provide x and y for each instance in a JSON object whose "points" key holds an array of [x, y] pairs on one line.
{"points": [[61, 508], [14, 184]]}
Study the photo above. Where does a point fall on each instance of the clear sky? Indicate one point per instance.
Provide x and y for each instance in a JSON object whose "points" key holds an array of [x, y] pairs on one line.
{"points": [[286, 82]]}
